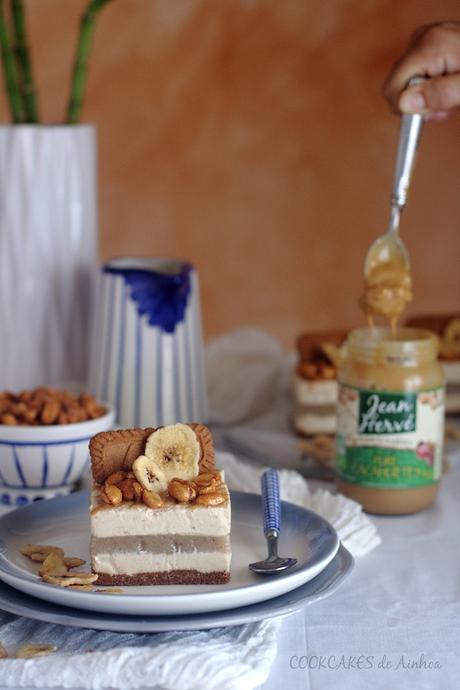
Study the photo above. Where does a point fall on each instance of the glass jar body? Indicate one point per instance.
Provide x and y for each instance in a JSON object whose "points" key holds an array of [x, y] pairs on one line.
{"points": [[390, 420]]}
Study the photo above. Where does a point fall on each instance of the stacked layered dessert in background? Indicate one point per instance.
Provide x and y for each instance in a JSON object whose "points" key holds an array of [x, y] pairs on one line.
{"points": [[315, 383], [160, 510], [447, 328]]}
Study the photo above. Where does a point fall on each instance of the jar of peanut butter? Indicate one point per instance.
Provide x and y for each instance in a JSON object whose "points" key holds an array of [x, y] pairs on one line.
{"points": [[390, 420]]}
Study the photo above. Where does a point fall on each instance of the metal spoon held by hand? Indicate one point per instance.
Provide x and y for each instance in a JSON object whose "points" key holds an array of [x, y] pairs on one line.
{"points": [[389, 247], [272, 523]]}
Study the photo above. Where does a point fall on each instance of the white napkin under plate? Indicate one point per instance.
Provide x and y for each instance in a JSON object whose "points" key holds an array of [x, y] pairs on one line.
{"points": [[232, 658], [229, 658]]}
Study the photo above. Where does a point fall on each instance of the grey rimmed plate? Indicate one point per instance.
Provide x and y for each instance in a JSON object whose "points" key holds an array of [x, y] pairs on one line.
{"points": [[322, 586], [64, 521]]}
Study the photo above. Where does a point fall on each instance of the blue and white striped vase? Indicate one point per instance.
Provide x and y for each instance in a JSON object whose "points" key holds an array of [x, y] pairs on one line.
{"points": [[147, 344]]}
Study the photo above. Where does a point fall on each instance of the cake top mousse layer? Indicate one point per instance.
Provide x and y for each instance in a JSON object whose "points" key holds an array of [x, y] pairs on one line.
{"points": [[131, 518], [157, 481]]}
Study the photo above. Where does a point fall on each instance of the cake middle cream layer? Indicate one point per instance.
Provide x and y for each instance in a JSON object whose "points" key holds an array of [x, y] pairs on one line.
{"points": [[131, 555], [319, 420]]}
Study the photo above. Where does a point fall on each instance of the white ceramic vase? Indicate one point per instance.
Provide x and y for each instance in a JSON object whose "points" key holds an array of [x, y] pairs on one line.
{"points": [[147, 351], [48, 253]]}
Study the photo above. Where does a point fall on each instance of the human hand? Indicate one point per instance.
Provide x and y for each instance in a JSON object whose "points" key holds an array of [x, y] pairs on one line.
{"points": [[433, 51]]}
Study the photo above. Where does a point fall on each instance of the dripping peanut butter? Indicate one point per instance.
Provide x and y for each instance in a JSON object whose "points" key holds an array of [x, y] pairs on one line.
{"points": [[387, 290]]}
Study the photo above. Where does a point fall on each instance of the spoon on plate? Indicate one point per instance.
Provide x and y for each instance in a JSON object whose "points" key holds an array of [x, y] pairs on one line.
{"points": [[272, 524], [389, 248]]}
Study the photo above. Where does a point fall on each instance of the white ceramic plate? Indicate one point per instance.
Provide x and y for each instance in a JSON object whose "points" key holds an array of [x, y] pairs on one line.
{"points": [[323, 585], [64, 521]]}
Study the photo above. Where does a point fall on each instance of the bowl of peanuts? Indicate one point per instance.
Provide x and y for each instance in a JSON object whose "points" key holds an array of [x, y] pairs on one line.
{"points": [[44, 436]]}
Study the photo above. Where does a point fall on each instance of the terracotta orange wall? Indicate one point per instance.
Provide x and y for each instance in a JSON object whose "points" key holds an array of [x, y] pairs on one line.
{"points": [[250, 136]]}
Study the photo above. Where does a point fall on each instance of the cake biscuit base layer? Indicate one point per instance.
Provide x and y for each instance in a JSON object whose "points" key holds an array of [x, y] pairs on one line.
{"points": [[172, 577]]}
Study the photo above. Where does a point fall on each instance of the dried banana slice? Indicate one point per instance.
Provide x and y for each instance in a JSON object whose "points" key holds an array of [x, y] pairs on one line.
{"points": [[53, 565], [175, 450], [38, 552], [77, 578], [333, 353], [452, 332], [73, 561], [28, 651], [449, 342], [149, 474]]}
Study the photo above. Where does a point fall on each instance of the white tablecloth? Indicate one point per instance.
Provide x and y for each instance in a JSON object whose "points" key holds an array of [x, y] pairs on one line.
{"points": [[396, 622]]}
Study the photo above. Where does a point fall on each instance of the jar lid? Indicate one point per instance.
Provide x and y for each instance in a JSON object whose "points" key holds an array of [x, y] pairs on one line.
{"points": [[408, 346]]}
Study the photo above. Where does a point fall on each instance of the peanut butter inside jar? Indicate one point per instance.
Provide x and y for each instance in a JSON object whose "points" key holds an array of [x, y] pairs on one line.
{"points": [[390, 420]]}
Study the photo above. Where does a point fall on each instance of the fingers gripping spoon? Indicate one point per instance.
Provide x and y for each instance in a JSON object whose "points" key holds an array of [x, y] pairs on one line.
{"points": [[272, 524], [389, 247]]}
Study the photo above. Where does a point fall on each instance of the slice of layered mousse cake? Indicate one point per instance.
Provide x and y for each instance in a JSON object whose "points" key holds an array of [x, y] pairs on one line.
{"points": [[160, 510]]}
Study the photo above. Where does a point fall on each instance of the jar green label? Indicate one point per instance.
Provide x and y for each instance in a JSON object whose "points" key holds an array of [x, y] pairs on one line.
{"points": [[390, 439], [387, 413]]}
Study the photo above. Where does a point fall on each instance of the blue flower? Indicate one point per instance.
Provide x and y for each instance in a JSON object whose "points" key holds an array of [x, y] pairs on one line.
{"points": [[162, 297]]}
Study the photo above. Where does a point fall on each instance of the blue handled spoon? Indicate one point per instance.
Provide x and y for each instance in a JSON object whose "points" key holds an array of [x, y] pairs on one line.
{"points": [[272, 524]]}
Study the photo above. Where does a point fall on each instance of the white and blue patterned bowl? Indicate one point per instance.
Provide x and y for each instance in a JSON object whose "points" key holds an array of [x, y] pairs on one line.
{"points": [[44, 461]]}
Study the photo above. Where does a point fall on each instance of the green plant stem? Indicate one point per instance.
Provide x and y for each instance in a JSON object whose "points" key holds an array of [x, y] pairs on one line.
{"points": [[23, 61], [9, 71], [80, 67]]}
